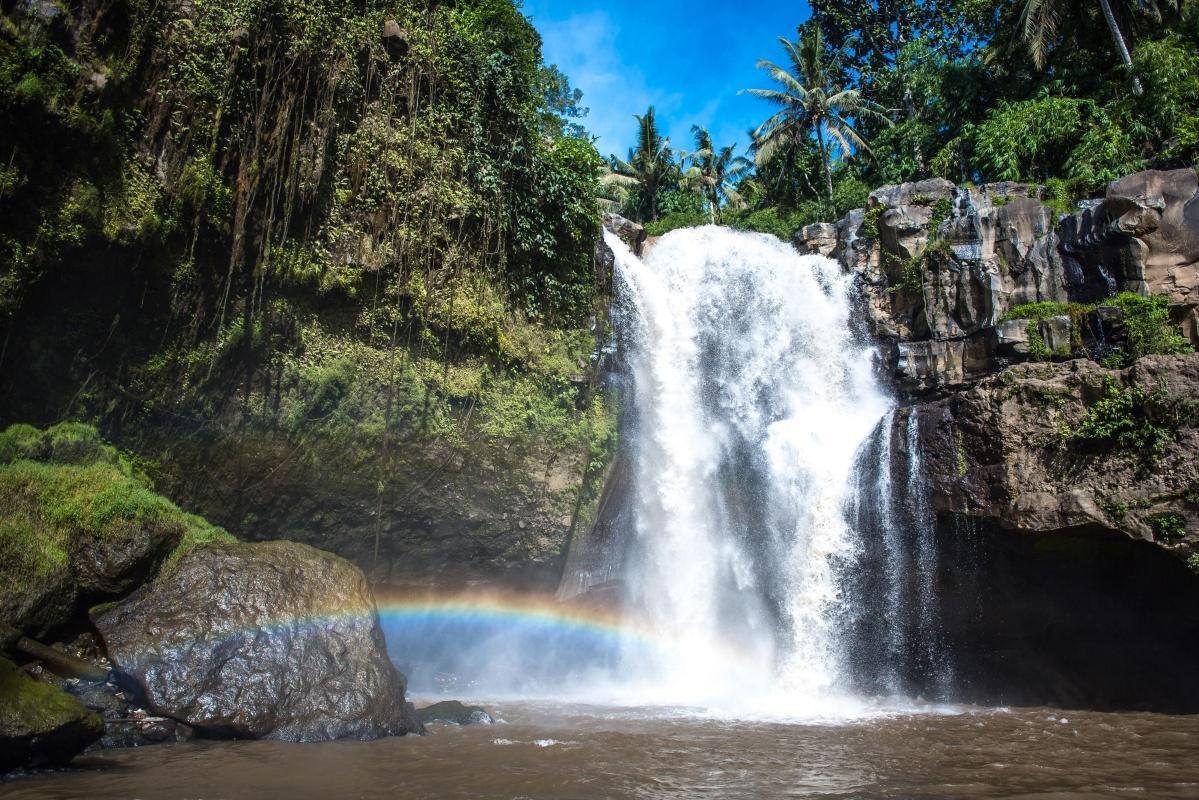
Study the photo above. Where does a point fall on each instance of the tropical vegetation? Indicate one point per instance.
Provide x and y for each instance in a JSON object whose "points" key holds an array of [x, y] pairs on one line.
{"points": [[1069, 95]]}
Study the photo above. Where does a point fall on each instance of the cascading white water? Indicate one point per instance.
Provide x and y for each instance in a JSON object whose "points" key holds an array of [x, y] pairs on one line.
{"points": [[751, 399]]}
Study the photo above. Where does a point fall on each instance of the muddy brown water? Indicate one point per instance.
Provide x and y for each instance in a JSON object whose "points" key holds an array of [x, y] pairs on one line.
{"points": [[544, 751]]}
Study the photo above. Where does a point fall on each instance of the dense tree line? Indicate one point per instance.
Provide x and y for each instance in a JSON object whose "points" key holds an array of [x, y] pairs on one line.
{"points": [[1070, 94]]}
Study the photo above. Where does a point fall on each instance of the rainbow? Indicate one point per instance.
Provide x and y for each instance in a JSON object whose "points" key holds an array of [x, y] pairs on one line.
{"points": [[520, 611]]}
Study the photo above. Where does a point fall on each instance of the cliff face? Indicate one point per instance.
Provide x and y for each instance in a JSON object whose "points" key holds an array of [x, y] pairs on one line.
{"points": [[1048, 411], [942, 269], [327, 270]]}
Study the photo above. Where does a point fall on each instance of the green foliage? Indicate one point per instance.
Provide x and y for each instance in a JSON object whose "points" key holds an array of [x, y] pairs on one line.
{"points": [[1150, 330], [1147, 319], [1038, 350], [1193, 562], [1128, 419], [674, 221], [1029, 137], [940, 212], [775, 221], [869, 226], [1168, 527]]}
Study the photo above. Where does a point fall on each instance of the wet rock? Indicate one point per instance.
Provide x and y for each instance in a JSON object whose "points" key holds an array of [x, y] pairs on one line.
{"points": [[818, 239], [40, 725], [455, 713], [1003, 451], [125, 723], [274, 640], [629, 232]]}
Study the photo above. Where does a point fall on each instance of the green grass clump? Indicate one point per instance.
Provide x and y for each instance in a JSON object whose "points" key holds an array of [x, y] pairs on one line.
{"points": [[1193, 562]]}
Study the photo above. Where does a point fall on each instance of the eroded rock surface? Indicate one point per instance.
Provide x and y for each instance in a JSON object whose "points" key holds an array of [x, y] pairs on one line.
{"points": [[272, 640], [1025, 449], [940, 266]]}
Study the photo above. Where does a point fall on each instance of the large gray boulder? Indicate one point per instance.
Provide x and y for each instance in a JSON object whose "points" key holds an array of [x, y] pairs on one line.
{"points": [[274, 640]]}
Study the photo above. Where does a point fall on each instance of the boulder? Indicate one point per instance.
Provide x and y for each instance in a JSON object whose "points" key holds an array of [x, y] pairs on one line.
{"points": [[454, 713], [274, 640], [40, 725]]}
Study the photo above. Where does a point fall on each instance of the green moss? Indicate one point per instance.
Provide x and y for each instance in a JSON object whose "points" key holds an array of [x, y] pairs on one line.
{"points": [[84, 491], [20, 441], [197, 531], [39, 708]]}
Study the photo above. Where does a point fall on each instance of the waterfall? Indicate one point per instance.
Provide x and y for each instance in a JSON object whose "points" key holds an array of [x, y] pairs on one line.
{"points": [[897, 646], [751, 397]]}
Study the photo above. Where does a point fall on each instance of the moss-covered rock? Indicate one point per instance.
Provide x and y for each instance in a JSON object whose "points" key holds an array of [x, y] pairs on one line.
{"points": [[78, 525], [40, 725]]}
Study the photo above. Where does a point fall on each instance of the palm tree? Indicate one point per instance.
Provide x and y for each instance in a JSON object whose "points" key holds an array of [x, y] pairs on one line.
{"points": [[812, 103], [713, 172], [650, 167], [1041, 19]]}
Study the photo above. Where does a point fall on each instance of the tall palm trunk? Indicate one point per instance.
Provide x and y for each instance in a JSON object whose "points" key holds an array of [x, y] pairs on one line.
{"points": [[824, 159], [1121, 45]]}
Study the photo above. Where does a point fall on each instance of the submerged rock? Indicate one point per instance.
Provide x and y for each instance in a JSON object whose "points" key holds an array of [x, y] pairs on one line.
{"points": [[40, 725], [275, 640], [455, 713]]}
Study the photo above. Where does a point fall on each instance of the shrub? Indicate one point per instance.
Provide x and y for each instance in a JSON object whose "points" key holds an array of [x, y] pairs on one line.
{"points": [[1150, 331], [1168, 527], [1128, 419]]}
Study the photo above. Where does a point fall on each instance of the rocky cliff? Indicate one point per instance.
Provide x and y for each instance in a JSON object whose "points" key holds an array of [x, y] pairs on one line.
{"points": [[949, 273]]}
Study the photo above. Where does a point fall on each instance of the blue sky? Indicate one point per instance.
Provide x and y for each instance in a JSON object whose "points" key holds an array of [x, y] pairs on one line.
{"points": [[687, 59]]}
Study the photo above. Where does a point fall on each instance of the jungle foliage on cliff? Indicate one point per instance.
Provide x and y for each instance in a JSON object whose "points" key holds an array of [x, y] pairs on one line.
{"points": [[360, 234]]}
